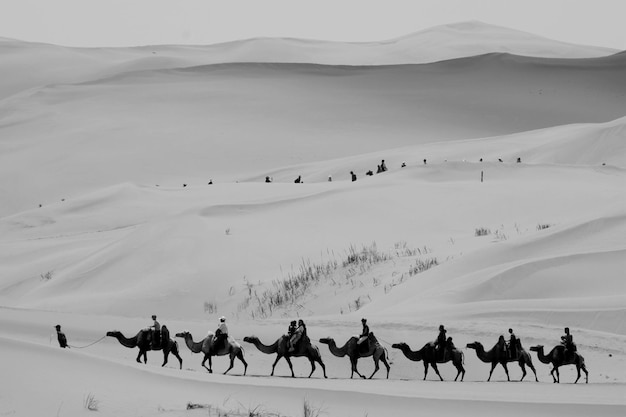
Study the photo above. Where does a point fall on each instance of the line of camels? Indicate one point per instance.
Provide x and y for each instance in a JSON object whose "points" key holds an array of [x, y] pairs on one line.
{"points": [[427, 354]]}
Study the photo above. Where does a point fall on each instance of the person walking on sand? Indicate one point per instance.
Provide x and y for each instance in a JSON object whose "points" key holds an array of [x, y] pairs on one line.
{"points": [[61, 337], [353, 176]]}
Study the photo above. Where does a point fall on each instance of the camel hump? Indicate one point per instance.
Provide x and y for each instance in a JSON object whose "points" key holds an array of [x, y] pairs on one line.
{"points": [[165, 333]]}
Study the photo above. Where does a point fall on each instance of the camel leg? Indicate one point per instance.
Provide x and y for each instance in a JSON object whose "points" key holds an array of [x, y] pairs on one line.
{"points": [[323, 366], [290, 366], [376, 367], [180, 360], [139, 356], [506, 370], [384, 359], [434, 365], [493, 366], [577, 373], [521, 365], [354, 369], [312, 366], [166, 353], [232, 363], [425, 370], [210, 363], [203, 361], [584, 368], [532, 367], [275, 362], [241, 358]]}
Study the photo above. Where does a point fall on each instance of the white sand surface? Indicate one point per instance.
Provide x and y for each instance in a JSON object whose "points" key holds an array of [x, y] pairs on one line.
{"points": [[119, 237]]}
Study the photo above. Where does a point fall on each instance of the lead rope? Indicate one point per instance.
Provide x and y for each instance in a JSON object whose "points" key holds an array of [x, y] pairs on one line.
{"points": [[83, 347]]}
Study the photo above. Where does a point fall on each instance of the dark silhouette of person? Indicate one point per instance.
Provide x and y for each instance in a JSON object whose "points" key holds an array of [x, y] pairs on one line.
{"points": [[298, 335], [290, 332], [221, 334], [298, 180], [353, 175], [369, 173], [61, 337], [567, 340], [363, 342], [156, 332], [441, 343], [383, 167], [268, 179], [501, 345], [379, 169], [403, 165], [424, 161], [513, 342]]}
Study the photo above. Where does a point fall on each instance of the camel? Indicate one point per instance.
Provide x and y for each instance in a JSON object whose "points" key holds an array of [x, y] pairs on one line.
{"points": [[142, 341], [497, 356], [429, 356], [206, 346], [376, 351], [556, 357], [281, 348]]}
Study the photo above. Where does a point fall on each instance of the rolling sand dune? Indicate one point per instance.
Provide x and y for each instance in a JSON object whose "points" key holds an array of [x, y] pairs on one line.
{"points": [[107, 217]]}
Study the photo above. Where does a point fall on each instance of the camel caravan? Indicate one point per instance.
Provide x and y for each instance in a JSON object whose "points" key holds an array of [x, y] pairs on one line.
{"points": [[296, 343]]}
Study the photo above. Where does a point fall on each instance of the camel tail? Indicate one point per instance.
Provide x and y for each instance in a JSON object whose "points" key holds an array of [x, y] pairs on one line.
{"points": [[462, 358]]}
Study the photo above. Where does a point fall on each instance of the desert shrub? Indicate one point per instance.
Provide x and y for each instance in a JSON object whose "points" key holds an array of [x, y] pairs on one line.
{"points": [[543, 226], [422, 265], [482, 231], [210, 307], [90, 402], [47, 276]]}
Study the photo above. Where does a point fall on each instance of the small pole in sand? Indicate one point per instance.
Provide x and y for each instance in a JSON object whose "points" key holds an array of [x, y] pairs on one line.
{"points": [[481, 176]]}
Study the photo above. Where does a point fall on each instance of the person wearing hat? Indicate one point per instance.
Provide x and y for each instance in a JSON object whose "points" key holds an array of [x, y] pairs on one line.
{"points": [[364, 336], [298, 335], [221, 334], [61, 337], [567, 340], [441, 343], [156, 332], [290, 332], [513, 342]]}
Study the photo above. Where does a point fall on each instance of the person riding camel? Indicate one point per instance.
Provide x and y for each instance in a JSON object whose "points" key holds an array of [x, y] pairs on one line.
{"points": [[290, 332], [221, 334], [298, 335], [441, 343], [363, 342], [156, 332], [513, 342], [501, 346], [567, 340]]}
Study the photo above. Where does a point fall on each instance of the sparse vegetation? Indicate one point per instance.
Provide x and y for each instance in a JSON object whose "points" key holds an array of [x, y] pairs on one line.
{"points": [[500, 235], [210, 307], [286, 293], [422, 265], [227, 231], [47, 276], [309, 410], [542, 226], [482, 231], [90, 402]]}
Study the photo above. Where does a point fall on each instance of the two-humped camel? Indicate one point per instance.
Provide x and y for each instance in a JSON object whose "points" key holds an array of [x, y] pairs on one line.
{"points": [[430, 357], [353, 351], [556, 357], [497, 356], [143, 342], [207, 346]]}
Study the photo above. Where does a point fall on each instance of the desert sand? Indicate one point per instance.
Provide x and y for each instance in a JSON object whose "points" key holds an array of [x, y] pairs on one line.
{"points": [[503, 206]]}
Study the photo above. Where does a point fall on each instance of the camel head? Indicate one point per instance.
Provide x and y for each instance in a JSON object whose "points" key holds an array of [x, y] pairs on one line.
{"points": [[475, 345], [183, 334], [114, 333], [251, 339], [400, 345], [326, 340], [538, 348]]}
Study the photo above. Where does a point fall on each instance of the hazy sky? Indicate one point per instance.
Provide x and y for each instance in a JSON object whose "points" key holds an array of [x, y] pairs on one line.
{"points": [[142, 22]]}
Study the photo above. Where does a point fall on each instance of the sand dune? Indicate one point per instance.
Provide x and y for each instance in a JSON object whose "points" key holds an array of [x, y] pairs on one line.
{"points": [[107, 217]]}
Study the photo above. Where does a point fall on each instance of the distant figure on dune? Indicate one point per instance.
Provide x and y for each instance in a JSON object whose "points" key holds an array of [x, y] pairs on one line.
{"points": [[330, 178], [268, 179], [210, 182], [298, 180], [403, 164], [500, 160], [379, 169], [424, 161], [353, 175], [519, 160], [383, 167], [61, 337], [369, 173], [184, 185]]}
